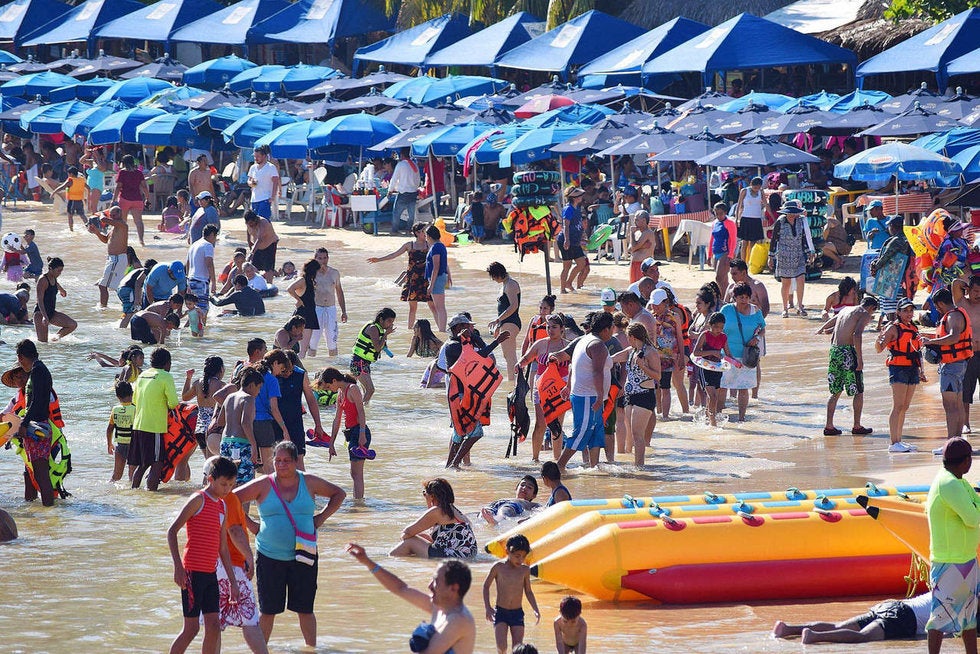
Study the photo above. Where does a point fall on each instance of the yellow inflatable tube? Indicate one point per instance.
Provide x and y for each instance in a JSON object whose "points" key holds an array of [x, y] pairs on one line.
{"points": [[547, 521], [597, 563]]}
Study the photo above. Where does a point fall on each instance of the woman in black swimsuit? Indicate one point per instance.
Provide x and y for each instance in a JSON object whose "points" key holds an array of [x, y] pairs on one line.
{"points": [[508, 318], [303, 291], [45, 313]]}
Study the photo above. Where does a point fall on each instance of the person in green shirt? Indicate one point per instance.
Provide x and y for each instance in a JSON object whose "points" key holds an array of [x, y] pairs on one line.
{"points": [[953, 508], [154, 394]]}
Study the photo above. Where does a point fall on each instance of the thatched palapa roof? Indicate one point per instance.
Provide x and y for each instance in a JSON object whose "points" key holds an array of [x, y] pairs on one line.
{"points": [[871, 33], [652, 13]]}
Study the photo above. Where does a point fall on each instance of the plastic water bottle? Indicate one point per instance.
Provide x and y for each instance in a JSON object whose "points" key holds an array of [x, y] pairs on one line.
{"points": [[388, 352]]}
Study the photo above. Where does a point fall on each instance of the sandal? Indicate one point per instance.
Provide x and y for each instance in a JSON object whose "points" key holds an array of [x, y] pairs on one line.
{"points": [[785, 313], [832, 431], [801, 312]]}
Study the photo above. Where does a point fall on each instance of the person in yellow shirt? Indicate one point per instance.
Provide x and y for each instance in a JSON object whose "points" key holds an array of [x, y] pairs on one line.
{"points": [[953, 508], [77, 191]]}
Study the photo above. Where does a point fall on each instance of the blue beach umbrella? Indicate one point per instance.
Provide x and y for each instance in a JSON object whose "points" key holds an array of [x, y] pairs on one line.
{"points": [[406, 88], [448, 140], [905, 162], [133, 91], [858, 98], [244, 132], [950, 142], [800, 119], [49, 118], [88, 90], [292, 79], [409, 114], [699, 118], [35, 84], [486, 147], [215, 73], [822, 100], [368, 102], [9, 57], [969, 160], [209, 100], [600, 136], [81, 123], [708, 98], [916, 120], [536, 144], [361, 130], [588, 114], [456, 86], [407, 138], [121, 126], [13, 109], [171, 129], [694, 148], [758, 151], [223, 117], [290, 141], [772, 100], [654, 139], [168, 98], [489, 116], [242, 82]]}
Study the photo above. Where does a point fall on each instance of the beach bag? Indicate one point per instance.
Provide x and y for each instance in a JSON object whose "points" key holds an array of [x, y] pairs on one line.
{"points": [[305, 542], [750, 353]]}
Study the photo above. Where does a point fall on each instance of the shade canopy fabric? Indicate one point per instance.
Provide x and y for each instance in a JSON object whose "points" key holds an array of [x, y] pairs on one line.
{"points": [[630, 57], [321, 21], [230, 26], [965, 65], [574, 43], [21, 17], [724, 48], [158, 21], [906, 162], [930, 50], [487, 46], [413, 46], [81, 23], [215, 73]]}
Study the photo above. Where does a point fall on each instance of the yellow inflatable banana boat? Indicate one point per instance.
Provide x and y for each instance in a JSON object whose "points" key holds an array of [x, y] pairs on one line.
{"points": [[729, 558], [552, 518], [908, 523]]}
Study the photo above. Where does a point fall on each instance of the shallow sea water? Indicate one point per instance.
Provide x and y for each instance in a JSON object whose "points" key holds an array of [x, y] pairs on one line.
{"points": [[94, 573]]}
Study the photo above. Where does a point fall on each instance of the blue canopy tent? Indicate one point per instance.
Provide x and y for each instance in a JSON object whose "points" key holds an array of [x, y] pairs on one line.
{"points": [[158, 21], [81, 23], [486, 46], [931, 50], [725, 48], [571, 44], [413, 46], [230, 26], [628, 59], [21, 17], [857, 98], [965, 65], [78, 90], [321, 21]]}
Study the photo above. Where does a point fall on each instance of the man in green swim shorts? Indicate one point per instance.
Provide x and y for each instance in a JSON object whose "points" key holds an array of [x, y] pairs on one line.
{"points": [[845, 370]]}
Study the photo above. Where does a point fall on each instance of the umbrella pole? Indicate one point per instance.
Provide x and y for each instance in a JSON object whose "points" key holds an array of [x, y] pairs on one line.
{"points": [[547, 267], [896, 192], [430, 181], [612, 170], [452, 185]]}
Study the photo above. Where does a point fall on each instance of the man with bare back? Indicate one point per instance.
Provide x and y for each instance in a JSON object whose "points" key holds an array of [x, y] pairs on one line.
{"points": [[116, 261], [845, 370], [642, 243]]}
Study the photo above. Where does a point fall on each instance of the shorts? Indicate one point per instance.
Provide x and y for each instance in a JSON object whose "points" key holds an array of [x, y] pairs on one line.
{"points": [[243, 614], [115, 270], [572, 253], [359, 366], [122, 450], [264, 432], [353, 436], [38, 449], [439, 288], [263, 208], [904, 375], [145, 449], [140, 331], [478, 231], [329, 328], [200, 288], [842, 372], [643, 400], [475, 433], [665, 378], [201, 594], [709, 378], [131, 205], [954, 596], [239, 450], [265, 259], [587, 425], [970, 378], [509, 617], [897, 620], [127, 296], [750, 229], [276, 579], [951, 376], [76, 208]]}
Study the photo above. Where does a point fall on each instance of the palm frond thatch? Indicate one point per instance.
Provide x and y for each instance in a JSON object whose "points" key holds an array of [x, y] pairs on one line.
{"points": [[651, 13], [871, 34]]}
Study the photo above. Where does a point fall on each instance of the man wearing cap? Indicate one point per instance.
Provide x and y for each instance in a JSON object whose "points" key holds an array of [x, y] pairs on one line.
{"points": [[895, 245], [876, 225], [205, 214], [162, 281], [263, 177], [749, 213], [570, 242], [953, 510], [650, 267], [199, 180], [642, 243], [608, 299], [493, 213], [116, 261], [954, 343]]}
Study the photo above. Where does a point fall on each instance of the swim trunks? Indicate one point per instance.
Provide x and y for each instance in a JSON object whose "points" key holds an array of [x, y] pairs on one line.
{"points": [[954, 596], [239, 450], [265, 259], [897, 620], [842, 372], [200, 595], [509, 617], [359, 366], [951, 376], [139, 330]]}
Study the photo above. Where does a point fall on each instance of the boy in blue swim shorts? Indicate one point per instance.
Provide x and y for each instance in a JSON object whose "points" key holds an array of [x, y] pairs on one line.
{"points": [[513, 579]]}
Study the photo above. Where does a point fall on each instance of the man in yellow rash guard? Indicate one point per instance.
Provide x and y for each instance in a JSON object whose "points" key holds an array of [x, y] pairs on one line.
{"points": [[953, 508], [154, 394]]}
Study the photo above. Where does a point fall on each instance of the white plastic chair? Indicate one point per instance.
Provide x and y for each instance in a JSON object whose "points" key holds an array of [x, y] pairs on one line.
{"points": [[699, 234]]}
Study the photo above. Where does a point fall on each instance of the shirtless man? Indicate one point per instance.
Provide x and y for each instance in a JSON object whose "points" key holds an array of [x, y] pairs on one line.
{"points": [[739, 272], [452, 626], [199, 179], [966, 296], [149, 328], [116, 240], [238, 411], [262, 242], [493, 213], [632, 306], [642, 243], [845, 370], [173, 305], [327, 295]]}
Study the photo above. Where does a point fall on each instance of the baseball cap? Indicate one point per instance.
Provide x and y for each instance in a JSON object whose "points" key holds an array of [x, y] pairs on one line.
{"points": [[649, 263], [875, 203], [630, 191], [608, 297], [896, 219], [177, 269], [204, 195], [491, 198], [658, 297], [459, 319], [573, 192], [956, 449], [903, 303]]}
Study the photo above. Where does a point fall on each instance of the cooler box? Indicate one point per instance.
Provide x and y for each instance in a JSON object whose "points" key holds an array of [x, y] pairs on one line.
{"points": [[867, 279]]}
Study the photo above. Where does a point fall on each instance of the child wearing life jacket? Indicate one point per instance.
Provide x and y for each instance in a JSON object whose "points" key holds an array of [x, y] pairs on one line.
{"points": [[119, 431], [77, 188]]}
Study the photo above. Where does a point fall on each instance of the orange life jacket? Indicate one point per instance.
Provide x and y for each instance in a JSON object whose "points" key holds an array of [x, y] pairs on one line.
{"points": [[905, 349], [685, 325], [54, 407], [537, 330], [962, 349], [550, 385], [471, 384]]}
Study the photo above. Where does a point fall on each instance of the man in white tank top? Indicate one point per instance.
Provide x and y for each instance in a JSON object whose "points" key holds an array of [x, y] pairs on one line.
{"points": [[749, 214], [591, 372]]}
